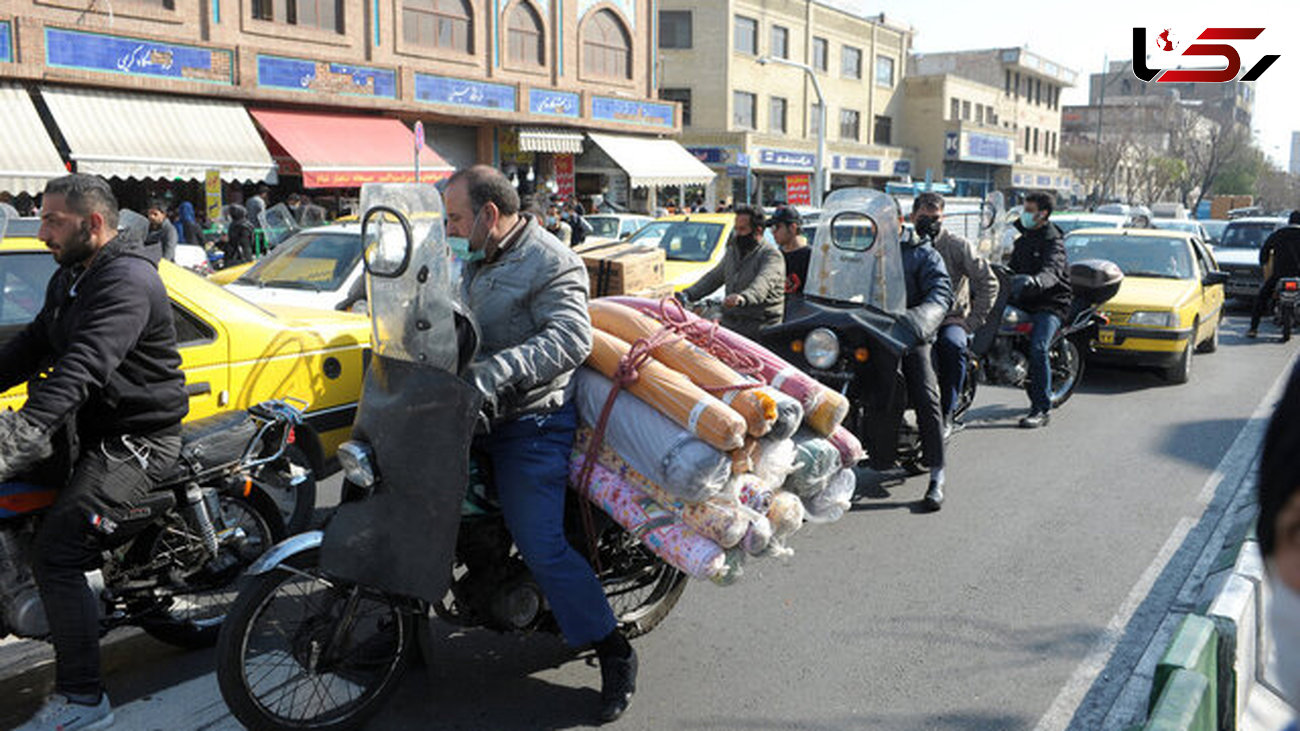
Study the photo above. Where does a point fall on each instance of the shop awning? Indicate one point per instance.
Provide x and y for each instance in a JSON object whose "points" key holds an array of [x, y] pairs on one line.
{"points": [[127, 135], [29, 158], [651, 163], [555, 141], [346, 150]]}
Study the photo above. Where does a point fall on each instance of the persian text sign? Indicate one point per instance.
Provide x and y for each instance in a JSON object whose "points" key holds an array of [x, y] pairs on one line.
{"points": [[6, 41], [296, 74], [798, 190], [768, 158], [554, 103], [464, 93], [987, 148], [565, 184], [74, 49], [628, 111], [212, 193]]}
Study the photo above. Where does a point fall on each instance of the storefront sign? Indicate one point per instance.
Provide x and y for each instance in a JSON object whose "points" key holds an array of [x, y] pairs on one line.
{"points": [[464, 93], [554, 103], [862, 164], [709, 155], [951, 145], [1045, 180], [798, 190], [6, 41], [565, 183], [296, 74], [987, 148], [627, 111], [72, 49], [785, 159], [212, 190], [737, 171], [902, 167]]}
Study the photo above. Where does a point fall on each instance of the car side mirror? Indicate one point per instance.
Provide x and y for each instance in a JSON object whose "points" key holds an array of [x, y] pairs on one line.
{"points": [[1213, 278]]}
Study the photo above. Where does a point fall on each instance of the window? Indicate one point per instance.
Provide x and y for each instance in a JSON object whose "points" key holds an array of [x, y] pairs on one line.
{"points": [[849, 125], [1006, 89], [524, 35], [606, 47], [883, 133], [164, 4], [776, 115], [1026, 139], [979, 114], [437, 24], [746, 35], [821, 55], [683, 96], [965, 111], [675, 29], [885, 71], [851, 63], [1035, 140], [745, 108], [190, 330], [955, 112], [780, 42], [1038, 91], [1016, 88], [815, 119], [323, 14]]}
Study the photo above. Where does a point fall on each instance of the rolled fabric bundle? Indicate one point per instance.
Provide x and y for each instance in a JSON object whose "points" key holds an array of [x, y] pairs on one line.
{"points": [[741, 393], [774, 461], [717, 520], [849, 446], [752, 492], [789, 415], [815, 461], [652, 524], [834, 500], [824, 409], [672, 394], [665, 453], [786, 515], [733, 568], [758, 537]]}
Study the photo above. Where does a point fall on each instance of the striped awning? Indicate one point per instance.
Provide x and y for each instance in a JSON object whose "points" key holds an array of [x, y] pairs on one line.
{"points": [[127, 135], [554, 141], [652, 162], [30, 159]]}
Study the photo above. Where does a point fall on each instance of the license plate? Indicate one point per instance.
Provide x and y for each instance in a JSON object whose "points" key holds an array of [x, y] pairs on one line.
{"points": [[1106, 337]]}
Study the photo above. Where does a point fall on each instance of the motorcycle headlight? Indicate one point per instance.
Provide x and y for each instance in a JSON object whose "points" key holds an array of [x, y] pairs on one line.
{"points": [[357, 462], [1153, 319], [821, 348]]}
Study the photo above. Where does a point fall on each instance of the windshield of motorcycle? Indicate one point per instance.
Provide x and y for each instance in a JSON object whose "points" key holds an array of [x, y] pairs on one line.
{"points": [[409, 274], [278, 224], [7, 212], [855, 256]]}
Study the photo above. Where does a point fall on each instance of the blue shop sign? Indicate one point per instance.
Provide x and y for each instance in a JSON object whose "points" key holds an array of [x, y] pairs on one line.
{"points": [[986, 148], [74, 49], [709, 155], [464, 93], [951, 144], [786, 159], [554, 103], [628, 111], [862, 164], [296, 74], [6, 41], [902, 167], [1045, 180]]}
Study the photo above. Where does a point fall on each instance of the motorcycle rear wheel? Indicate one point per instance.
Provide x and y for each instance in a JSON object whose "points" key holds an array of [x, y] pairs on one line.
{"points": [[1067, 370], [640, 587], [1288, 321]]}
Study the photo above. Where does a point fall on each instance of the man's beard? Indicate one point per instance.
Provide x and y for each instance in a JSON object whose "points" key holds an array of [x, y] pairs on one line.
{"points": [[77, 248]]}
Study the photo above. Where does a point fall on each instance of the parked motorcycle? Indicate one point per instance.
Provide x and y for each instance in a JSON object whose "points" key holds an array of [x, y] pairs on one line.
{"points": [[1286, 305], [323, 632], [170, 560]]}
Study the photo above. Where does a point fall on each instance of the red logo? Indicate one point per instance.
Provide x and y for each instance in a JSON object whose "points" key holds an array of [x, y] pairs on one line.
{"points": [[1226, 51]]}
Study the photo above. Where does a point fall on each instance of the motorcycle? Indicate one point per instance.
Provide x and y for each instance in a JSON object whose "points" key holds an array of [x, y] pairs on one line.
{"points": [[1286, 302], [171, 559], [330, 620]]}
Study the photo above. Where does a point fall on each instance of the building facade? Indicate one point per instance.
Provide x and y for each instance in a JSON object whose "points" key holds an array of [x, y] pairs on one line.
{"points": [[1233, 101], [755, 120], [1294, 167]]}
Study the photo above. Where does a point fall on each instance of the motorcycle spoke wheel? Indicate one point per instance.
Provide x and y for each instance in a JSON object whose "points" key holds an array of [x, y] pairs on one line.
{"points": [[1067, 368], [641, 588]]}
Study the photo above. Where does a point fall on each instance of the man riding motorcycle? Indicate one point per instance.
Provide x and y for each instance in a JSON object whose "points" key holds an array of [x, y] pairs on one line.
{"points": [[528, 293], [1041, 287], [753, 272], [1283, 248], [106, 397]]}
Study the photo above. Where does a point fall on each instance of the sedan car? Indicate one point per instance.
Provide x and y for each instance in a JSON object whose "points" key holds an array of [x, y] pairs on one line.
{"points": [[1169, 304], [1238, 250], [316, 268], [694, 243], [1186, 225], [614, 226], [1068, 222]]}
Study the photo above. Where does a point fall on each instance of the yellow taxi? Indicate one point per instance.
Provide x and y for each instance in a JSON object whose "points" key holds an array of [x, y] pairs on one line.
{"points": [[230, 274], [1169, 304], [693, 242]]}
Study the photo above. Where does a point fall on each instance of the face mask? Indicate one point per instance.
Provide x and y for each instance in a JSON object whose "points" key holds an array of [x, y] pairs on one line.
{"points": [[1284, 621], [928, 226], [746, 241], [460, 247], [552, 221], [1027, 219]]}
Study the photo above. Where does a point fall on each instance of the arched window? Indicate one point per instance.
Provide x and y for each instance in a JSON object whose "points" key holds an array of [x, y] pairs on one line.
{"points": [[606, 47], [524, 36], [438, 24]]}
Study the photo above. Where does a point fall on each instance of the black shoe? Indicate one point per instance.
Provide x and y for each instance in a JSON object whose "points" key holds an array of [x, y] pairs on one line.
{"points": [[933, 499], [1035, 420], [617, 684], [1252, 333]]}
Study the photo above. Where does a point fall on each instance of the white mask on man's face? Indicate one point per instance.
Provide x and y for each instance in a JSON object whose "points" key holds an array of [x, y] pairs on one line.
{"points": [[1284, 623]]}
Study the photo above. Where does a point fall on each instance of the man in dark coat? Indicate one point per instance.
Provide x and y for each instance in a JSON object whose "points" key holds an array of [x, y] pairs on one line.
{"points": [[753, 272], [1283, 248], [1041, 287]]}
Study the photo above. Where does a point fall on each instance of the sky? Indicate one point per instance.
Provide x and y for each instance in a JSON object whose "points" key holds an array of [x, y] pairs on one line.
{"points": [[1082, 36]]}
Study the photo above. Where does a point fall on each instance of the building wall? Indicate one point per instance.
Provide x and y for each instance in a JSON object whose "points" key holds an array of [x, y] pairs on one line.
{"points": [[1295, 153]]}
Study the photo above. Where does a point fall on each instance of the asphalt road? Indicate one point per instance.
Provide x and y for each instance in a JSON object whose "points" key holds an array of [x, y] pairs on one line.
{"points": [[973, 618]]}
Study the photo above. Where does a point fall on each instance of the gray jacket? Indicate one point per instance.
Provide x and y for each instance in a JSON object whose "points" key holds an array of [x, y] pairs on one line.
{"points": [[531, 307], [974, 284], [758, 276]]}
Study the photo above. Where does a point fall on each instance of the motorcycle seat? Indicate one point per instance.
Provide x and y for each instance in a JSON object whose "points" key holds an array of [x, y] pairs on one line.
{"points": [[210, 442]]}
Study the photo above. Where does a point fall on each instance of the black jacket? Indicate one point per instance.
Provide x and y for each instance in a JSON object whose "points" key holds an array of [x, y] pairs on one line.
{"points": [[102, 349], [1283, 247], [1040, 253], [929, 290]]}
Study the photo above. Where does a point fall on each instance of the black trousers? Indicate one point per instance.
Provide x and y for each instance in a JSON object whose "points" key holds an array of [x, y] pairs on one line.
{"points": [[923, 392], [1263, 301], [107, 477]]}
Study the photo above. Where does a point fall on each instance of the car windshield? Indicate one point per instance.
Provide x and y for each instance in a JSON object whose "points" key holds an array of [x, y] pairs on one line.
{"points": [[22, 228], [1137, 256], [681, 240], [1215, 229], [604, 226], [1070, 224], [23, 276], [315, 260], [1243, 235]]}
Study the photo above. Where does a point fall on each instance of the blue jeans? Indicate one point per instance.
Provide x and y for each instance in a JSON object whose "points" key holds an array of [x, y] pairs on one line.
{"points": [[1040, 364], [530, 462], [952, 360]]}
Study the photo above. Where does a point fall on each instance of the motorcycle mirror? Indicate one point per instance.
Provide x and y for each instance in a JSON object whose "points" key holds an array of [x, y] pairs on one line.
{"points": [[387, 242]]}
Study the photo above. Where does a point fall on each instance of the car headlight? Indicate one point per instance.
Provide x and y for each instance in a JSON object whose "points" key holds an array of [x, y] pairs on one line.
{"points": [[821, 348], [1153, 319], [357, 462]]}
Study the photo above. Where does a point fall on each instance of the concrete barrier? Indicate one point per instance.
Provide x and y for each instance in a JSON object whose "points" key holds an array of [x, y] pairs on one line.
{"points": [[1187, 704]]}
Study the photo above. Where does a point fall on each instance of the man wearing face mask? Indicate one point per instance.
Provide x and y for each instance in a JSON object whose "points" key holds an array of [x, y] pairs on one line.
{"points": [[1041, 287], [529, 294], [1278, 529], [558, 228], [753, 272]]}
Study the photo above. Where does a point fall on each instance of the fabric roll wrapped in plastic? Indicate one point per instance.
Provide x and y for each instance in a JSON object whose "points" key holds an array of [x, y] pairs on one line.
{"points": [[665, 453], [774, 460], [815, 461], [758, 537], [849, 446], [752, 492], [789, 415], [835, 500], [786, 515]]}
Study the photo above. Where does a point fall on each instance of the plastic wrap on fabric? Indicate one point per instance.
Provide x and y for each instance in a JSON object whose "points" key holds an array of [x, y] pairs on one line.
{"points": [[786, 515], [774, 460], [789, 415], [717, 520], [752, 492], [672, 394], [741, 393], [824, 409], [653, 444], [758, 537], [834, 501], [815, 461], [849, 446]]}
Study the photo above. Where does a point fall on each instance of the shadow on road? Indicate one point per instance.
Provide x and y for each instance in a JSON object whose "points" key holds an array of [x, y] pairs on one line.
{"points": [[1202, 443], [972, 721]]}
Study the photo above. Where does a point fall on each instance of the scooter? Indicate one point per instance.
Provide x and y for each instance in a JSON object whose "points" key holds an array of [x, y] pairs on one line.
{"points": [[1286, 305]]}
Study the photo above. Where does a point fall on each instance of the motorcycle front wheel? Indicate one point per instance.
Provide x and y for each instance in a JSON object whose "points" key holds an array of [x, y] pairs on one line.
{"points": [[301, 650], [1067, 370]]}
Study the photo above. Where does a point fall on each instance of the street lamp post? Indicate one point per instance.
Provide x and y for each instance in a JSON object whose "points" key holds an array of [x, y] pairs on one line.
{"points": [[819, 174]]}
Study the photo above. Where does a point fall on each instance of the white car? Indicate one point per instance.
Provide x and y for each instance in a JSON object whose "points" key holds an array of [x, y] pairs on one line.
{"points": [[614, 226], [1238, 252], [316, 268]]}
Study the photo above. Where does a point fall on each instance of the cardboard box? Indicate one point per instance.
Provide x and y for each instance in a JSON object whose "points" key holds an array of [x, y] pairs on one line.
{"points": [[655, 293], [624, 268]]}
